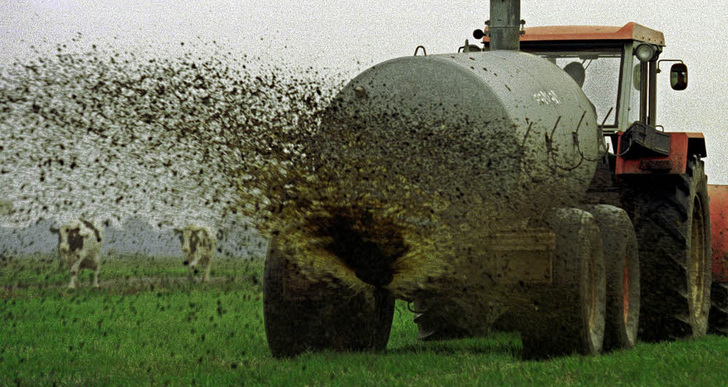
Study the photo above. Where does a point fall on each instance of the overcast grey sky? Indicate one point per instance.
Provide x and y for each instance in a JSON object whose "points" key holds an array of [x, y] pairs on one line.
{"points": [[337, 34]]}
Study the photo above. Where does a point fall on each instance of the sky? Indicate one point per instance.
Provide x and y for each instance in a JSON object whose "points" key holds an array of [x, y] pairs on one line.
{"points": [[350, 36]]}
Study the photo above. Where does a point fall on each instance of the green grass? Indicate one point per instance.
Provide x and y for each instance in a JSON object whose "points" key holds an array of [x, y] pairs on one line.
{"points": [[165, 329]]}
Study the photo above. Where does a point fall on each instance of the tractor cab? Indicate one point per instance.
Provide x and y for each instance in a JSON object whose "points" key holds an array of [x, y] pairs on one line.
{"points": [[616, 67]]}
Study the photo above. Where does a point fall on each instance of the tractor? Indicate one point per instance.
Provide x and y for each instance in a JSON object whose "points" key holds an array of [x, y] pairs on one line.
{"points": [[592, 226]]}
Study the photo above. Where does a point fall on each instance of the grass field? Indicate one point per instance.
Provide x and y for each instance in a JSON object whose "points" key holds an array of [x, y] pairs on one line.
{"points": [[148, 324]]}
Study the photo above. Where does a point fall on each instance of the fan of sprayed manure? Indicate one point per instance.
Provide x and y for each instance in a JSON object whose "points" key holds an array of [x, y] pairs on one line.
{"points": [[109, 135]]}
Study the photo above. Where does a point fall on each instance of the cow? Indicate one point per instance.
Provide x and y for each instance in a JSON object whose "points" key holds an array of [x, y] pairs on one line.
{"points": [[79, 245], [198, 248]]}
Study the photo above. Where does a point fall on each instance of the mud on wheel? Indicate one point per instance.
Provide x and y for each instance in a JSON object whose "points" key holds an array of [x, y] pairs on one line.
{"points": [[671, 217], [568, 316], [621, 262], [301, 315]]}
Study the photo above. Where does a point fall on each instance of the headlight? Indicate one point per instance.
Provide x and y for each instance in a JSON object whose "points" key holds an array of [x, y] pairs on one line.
{"points": [[645, 52]]}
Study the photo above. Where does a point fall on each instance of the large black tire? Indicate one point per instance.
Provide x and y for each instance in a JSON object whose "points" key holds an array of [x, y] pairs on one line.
{"points": [[568, 316], [622, 267], [719, 309], [301, 315], [672, 220]]}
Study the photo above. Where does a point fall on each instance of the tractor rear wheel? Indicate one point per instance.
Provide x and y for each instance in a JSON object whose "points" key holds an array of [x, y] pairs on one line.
{"points": [[622, 267], [301, 315], [719, 310], [672, 220], [568, 316]]}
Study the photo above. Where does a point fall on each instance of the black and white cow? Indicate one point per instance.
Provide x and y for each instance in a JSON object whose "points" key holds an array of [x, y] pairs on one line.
{"points": [[79, 245], [198, 248]]}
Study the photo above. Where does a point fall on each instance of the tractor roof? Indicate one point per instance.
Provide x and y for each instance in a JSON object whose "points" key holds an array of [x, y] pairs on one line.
{"points": [[630, 31]]}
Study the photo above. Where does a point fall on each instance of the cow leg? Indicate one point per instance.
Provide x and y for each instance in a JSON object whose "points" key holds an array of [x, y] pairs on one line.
{"points": [[192, 274], [96, 274], [208, 266], [74, 273]]}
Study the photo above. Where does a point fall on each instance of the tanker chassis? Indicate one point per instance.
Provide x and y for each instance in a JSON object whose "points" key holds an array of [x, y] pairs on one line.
{"points": [[598, 220]]}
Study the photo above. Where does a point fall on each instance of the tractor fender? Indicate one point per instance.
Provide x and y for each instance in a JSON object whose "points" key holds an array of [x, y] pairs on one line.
{"points": [[719, 225], [683, 145]]}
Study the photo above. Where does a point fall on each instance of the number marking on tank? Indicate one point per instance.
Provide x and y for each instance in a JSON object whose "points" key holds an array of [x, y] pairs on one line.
{"points": [[546, 97]]}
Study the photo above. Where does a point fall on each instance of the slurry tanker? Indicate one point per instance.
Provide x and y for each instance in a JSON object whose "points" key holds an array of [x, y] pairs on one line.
{"points": [[559, 207]]}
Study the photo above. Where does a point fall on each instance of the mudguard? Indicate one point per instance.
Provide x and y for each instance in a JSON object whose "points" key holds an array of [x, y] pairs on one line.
{"points": [[683, 145], [719, 224]]}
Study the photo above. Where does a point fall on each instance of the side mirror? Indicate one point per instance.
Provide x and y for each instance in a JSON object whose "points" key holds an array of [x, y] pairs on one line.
{"points": [[679, 76]]}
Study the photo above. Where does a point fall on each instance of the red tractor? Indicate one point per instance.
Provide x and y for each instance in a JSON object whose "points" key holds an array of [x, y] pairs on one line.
{"points": [[562, 123]]}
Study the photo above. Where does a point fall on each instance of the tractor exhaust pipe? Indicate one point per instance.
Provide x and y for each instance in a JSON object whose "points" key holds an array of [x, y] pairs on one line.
{"points": [[504, 25]]}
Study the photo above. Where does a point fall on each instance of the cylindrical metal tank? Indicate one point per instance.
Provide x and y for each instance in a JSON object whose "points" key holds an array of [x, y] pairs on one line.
{"points": [[510, 128]]}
